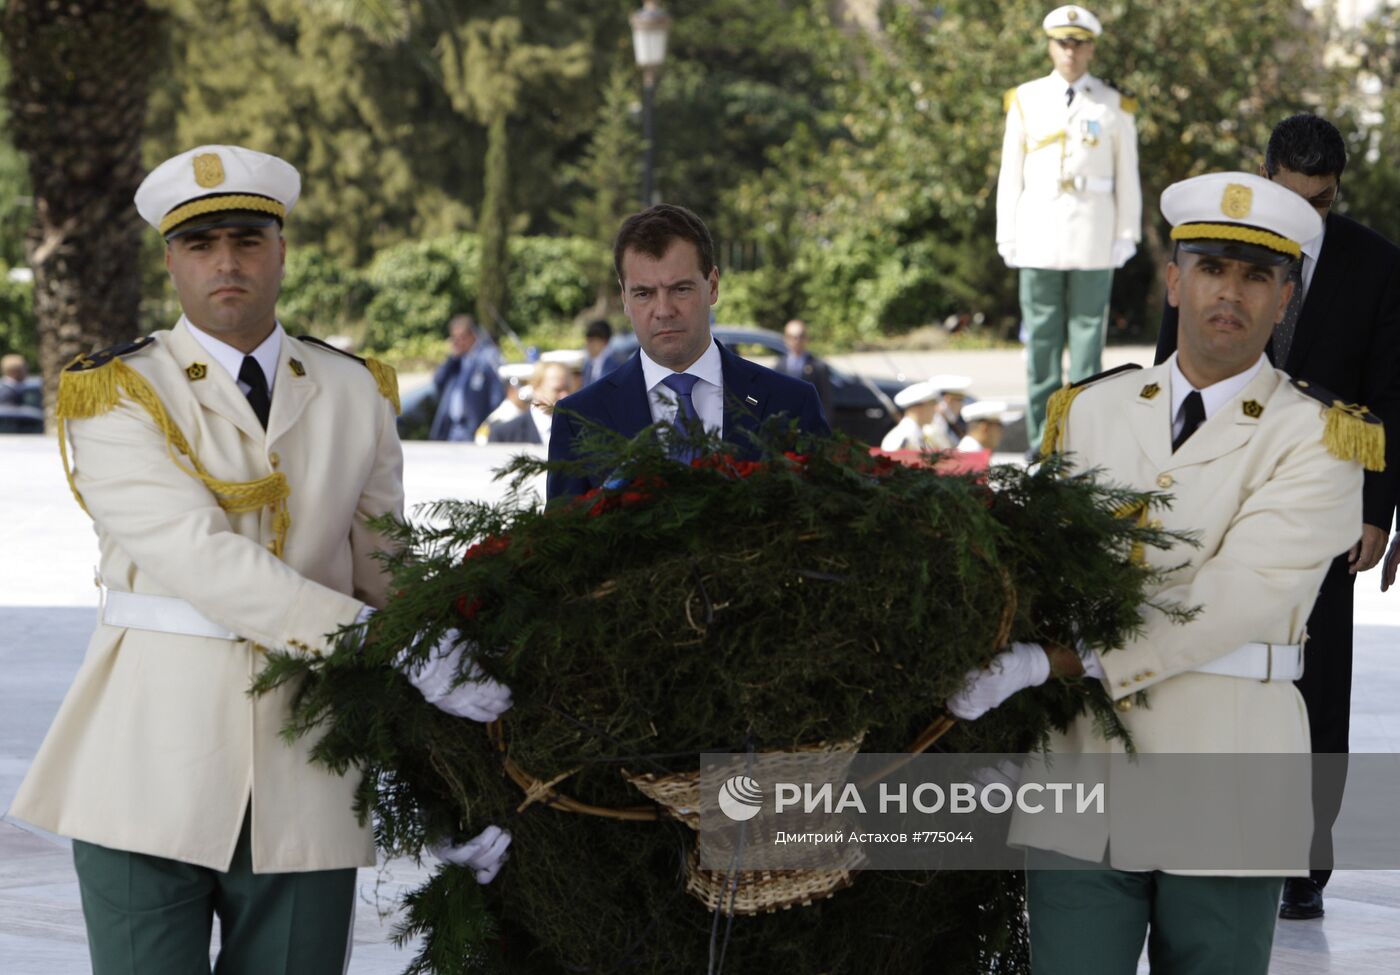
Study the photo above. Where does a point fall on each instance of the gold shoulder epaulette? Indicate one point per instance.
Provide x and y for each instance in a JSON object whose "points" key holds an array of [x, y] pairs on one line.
{"points": [[88, 385], [1127, 101], [1057, 409], [384, 375], [1352, 431], [1008, 98]]}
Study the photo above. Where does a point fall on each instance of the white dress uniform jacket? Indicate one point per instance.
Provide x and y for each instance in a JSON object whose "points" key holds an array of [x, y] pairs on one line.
{"points": [[1069, 175], [158, 747], [1271, 507]]}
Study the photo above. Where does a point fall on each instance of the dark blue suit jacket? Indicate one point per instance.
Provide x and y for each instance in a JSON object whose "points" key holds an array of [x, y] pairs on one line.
{"points": [[619, 402]]}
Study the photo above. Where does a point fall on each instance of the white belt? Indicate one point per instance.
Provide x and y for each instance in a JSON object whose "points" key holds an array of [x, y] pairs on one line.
{"points": [[1073, 184], [1259, 661], [163, 614]]}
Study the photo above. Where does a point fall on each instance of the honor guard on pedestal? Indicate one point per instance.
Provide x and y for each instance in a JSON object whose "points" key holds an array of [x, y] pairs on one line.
{"points": [[1069, 207]]}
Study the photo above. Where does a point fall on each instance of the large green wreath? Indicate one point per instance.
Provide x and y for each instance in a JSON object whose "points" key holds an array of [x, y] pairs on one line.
{"points": [[813, 596]]}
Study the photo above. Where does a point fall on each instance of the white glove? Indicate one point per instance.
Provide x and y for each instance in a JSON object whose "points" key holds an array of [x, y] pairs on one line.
{"points": [[483, 854], [1020, 666], [1093, 666], [1123, 251], [1007, 250], [479, 698]]}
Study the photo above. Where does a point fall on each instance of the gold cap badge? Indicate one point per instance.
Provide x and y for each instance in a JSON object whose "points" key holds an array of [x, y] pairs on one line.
{"points": [[1150, 390], [208, 170], [1237, 201], [1072, 14], [1253, 409], [196, 371]]}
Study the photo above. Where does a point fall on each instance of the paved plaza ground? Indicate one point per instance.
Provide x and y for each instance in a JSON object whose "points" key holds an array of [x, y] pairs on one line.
{"points": [[47, 606]]}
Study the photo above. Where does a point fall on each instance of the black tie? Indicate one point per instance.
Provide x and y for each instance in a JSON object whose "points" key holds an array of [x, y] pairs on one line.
{"points": [[252, 375], [1193, 414], [1069, 95]]}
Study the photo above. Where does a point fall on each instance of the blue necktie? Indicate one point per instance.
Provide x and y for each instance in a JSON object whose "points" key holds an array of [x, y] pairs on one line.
{"points": [[682, 384]]}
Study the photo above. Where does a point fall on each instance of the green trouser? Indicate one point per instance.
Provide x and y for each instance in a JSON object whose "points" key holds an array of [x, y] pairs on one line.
{"points": [[1059, 307], [1095, 921], [147, 915]]}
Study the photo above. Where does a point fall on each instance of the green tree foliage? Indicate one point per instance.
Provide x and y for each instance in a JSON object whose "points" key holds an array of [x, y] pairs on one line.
{"points": [[897, 207], [417, 286], [488, 66]]}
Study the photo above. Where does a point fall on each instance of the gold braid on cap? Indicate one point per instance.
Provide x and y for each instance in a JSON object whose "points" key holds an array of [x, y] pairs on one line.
{"points": [[1234, 231], [88, 391], [1080, 33], [214, 204]]}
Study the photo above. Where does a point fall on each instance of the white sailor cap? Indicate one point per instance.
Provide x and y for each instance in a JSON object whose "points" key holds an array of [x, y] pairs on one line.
{"points": [[948, 383], [990, 409], [1240, 216], [217, 186], [570, 358], [923, 392], [1072, 22], [516, 373]]}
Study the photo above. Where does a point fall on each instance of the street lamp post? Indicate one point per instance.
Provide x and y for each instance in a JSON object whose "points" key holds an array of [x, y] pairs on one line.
{"points": [[649, 27]]}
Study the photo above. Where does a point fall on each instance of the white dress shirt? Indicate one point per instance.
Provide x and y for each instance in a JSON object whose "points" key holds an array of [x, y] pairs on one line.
{"points": [[1213, 397], [708, 394], [232, 360], [544, 422], [1311, 250]]}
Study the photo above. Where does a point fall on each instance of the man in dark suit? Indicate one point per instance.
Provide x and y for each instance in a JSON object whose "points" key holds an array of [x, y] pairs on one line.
{"points": [[598, 361], [664, 258], [801, 364], [467, 384], [1341, 331]]}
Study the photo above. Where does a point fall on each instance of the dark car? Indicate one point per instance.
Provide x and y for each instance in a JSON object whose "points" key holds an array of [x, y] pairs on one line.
{"points": [[864, 407]]}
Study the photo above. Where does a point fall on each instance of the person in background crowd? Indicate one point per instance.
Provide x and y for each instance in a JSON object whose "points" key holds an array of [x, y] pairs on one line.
{"points": [[986, 423], [467, 384], [948, 425], [799, 363], [515, 380], [16, 387], [598, 362], [915, 430], [1069, 206], [1340, 331], [549, 384]]}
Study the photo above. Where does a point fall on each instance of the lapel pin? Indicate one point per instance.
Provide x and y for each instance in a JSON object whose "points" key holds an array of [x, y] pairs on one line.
{"points": [[297, 368], [1253, 409], [1150, 390], [196, 371], [750, 400]]}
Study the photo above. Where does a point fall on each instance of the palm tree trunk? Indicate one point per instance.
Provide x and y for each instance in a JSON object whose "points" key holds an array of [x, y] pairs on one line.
{"points": [[79, 80]]}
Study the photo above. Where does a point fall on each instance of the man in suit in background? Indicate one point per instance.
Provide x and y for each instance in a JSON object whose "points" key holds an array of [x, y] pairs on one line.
{"points": [[801, 364], [664, 258], [467, 383], [598, 362], [1341, 331]]}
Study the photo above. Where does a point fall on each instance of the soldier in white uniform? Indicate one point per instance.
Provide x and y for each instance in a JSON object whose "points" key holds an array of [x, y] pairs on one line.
{"points": [[229, 469], [1267, 472], [1069, 206], [915, 429]]}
